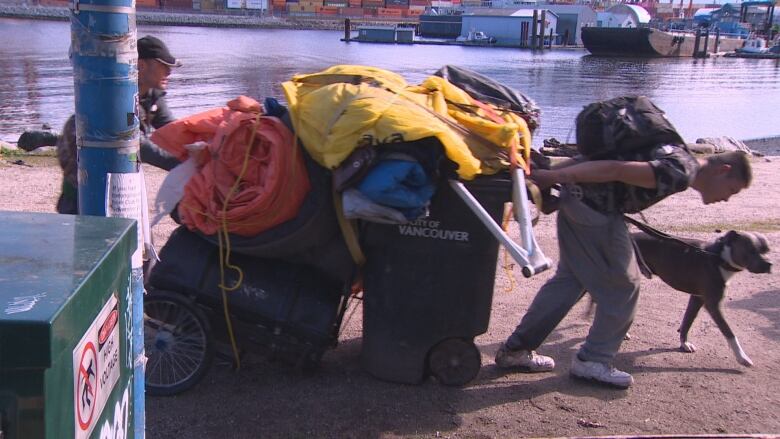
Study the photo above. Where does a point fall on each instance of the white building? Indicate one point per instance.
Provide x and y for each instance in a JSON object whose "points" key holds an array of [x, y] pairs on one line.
{"points": [[507, 26], [623, 16]]}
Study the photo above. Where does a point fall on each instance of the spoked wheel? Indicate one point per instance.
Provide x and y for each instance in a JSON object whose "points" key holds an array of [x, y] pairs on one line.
{"points": [[177, 339], [454, 361]]}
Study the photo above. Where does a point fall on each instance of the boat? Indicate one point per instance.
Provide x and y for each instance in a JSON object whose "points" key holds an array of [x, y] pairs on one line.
{"points": [[648, 42], [476, 37], [754, 45], [758, 48]]}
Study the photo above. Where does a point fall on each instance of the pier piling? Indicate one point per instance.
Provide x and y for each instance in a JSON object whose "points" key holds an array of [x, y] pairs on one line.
{"points": [[347, 30], [717, 40], [534, 27], [542, 20]]}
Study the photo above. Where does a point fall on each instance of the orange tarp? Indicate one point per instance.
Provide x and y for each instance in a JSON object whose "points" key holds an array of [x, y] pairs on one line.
{"points": [[245, 144]]}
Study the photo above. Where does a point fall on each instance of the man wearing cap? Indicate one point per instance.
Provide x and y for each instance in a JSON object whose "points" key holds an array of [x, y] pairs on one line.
{"points": [[154, 68]]}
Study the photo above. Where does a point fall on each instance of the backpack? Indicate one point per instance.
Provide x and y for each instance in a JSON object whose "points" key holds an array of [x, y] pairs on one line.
{"points": [[623, 124]]}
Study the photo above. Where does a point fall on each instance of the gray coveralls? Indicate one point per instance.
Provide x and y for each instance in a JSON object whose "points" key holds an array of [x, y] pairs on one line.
{"points": [[596, 255]]}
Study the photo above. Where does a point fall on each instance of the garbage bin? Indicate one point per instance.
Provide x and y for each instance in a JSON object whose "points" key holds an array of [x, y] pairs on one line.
{"points": [[65, 345], [428, 288]]}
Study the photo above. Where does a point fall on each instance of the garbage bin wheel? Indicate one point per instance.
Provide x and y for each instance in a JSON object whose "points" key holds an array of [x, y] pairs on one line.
{"points": [[454, 361], [178, 344]]}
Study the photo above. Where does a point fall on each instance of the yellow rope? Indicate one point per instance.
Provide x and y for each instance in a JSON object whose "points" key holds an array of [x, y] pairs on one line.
{"points": [[224, 246]]}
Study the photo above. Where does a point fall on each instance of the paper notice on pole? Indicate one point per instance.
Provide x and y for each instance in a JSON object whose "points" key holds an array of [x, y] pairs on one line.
{"points": [[124, 199]]}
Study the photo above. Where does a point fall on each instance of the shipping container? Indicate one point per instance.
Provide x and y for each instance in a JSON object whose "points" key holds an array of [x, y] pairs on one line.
{"points": [[414, 12], [336, 3], [292, 7], [419, 2], [389, 3], [235, 4], [385, 12], [177, 4], [147, 4], [351, 12], [57, 3], [256, 4], [401, 7], [416, 8], [355, 3]]}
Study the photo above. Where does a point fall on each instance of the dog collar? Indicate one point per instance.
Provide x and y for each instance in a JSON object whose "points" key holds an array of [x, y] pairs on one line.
{"points": [[727, 263]]}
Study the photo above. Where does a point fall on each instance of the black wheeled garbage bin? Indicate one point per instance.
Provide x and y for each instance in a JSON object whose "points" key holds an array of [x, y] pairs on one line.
{"points": [[428, 288]]}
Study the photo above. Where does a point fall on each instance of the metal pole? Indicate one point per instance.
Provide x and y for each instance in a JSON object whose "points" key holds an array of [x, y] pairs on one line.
{"points": [[550, 41], [105, 76], [717, 39]]}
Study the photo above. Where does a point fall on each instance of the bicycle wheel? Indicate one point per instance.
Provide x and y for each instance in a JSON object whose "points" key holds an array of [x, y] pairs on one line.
{"points": [[178, 344]]}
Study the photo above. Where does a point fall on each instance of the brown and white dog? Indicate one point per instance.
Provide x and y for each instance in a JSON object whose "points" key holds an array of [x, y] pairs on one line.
{"points": [[703, 269]]}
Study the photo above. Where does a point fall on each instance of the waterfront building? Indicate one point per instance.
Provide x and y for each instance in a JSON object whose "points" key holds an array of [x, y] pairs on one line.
{"points": [[510, 27], [571, 18]]}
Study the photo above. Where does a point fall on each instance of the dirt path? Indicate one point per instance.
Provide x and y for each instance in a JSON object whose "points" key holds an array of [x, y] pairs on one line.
{"points": [[702, 393]]}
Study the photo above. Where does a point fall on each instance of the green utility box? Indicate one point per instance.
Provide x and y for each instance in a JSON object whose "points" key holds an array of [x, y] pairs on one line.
{"points": [[65, 326]]}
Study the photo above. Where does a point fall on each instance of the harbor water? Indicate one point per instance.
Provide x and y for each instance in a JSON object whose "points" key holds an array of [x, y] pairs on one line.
{"points": [[704, 98]]}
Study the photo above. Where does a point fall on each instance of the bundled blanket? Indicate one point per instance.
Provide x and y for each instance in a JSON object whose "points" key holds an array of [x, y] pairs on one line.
{"points": [[251, 177]]}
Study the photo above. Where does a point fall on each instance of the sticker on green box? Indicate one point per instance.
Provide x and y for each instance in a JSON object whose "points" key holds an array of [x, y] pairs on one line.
{"points": [[96, 368]]}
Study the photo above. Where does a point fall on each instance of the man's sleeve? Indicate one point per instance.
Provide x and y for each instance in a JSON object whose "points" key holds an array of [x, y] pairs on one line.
{"points": [[162, 115], [674, 168], [156, 156]]}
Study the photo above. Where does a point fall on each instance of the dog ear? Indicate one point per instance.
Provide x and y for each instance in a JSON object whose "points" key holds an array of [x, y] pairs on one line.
{"points": [[763, 244], [730, 236]]}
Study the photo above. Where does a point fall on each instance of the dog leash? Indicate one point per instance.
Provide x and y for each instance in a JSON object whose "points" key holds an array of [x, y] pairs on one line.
{"points": [[665, 236]]}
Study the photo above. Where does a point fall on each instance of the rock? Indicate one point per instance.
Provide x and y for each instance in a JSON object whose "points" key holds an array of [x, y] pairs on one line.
{"points": [[30, 140]]}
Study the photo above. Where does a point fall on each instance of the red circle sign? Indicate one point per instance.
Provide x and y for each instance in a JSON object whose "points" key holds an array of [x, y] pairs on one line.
{"points": [[86, 386]]}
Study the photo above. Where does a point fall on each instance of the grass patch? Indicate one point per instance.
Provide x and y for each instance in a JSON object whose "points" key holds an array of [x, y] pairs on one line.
{"points": [[762, 226], [18, 153]]}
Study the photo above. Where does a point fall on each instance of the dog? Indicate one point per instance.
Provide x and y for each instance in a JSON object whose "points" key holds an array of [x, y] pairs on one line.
{"points": [[703, 269]]}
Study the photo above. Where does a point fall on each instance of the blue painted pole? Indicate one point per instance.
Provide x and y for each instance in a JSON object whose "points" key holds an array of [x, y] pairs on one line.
{"points": [[105, 73]]}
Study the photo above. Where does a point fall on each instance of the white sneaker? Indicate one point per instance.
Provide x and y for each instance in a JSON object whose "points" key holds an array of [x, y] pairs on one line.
{"points": [[601, 373], [527, 361]]}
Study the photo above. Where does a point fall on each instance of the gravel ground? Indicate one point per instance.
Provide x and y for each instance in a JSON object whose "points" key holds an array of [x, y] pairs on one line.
{"points": [[704, 393]]}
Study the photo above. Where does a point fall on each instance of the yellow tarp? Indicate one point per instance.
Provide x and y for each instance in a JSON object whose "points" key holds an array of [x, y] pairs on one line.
{"points": [[345, 106]]}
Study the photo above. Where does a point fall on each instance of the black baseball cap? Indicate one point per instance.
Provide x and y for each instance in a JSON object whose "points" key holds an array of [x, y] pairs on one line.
{"points": [[150, 47]]}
